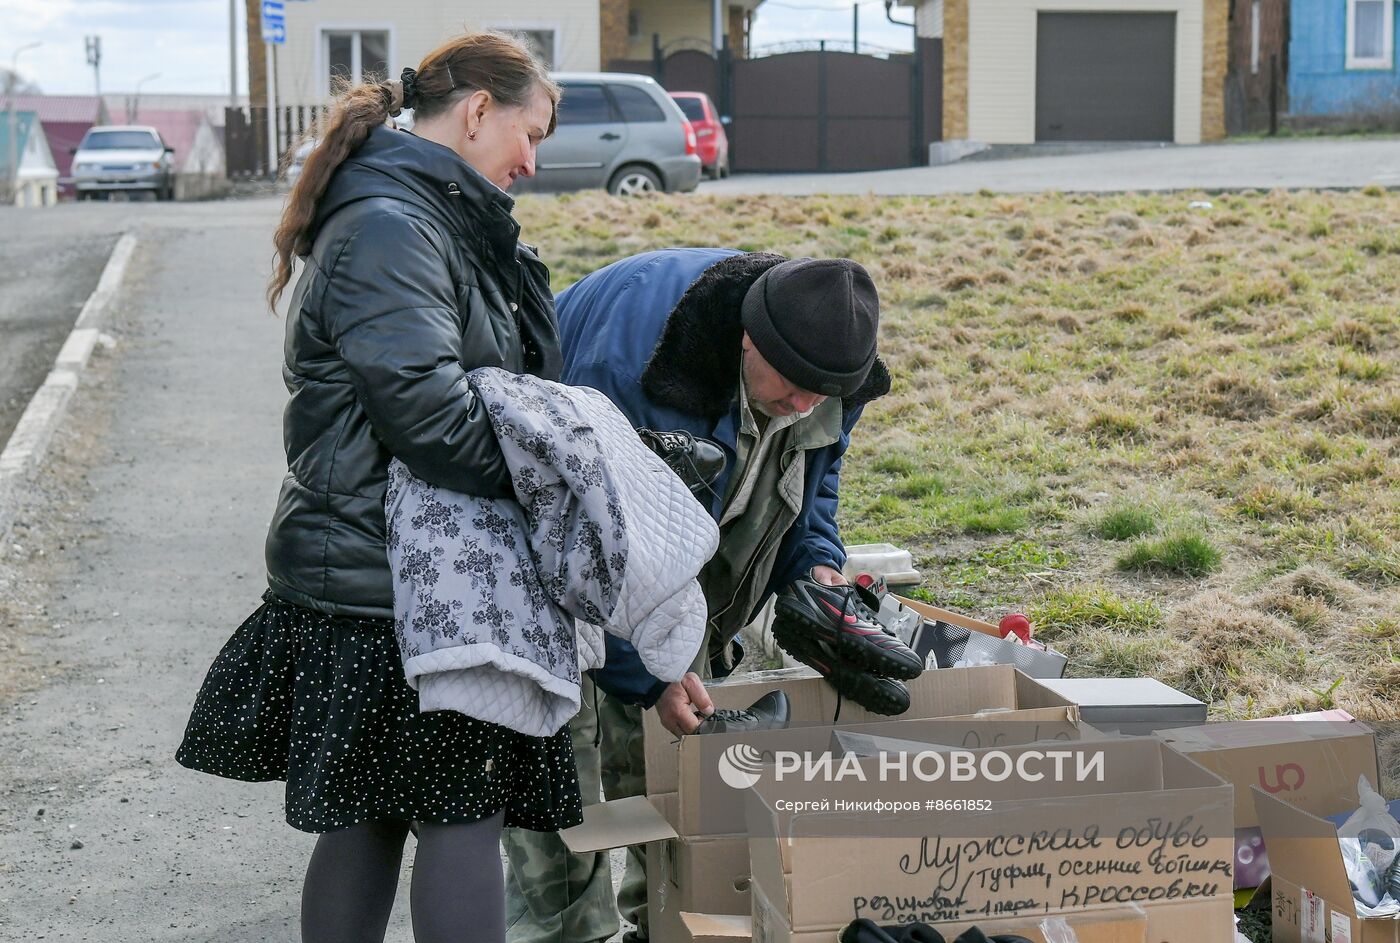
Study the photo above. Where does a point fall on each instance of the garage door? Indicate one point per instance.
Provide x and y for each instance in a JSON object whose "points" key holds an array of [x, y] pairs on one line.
{"points": [[1105, 76]]}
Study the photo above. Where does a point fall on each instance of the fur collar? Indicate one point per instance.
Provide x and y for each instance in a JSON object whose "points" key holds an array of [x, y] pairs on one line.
{"points": [[695, 365]]}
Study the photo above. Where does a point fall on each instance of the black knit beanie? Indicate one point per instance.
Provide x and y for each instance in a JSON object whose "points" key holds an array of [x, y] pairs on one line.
{"points": [[815, 320]]}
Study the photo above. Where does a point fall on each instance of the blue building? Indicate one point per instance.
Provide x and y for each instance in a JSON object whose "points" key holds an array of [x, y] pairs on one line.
{"points": [[1341, 63]]}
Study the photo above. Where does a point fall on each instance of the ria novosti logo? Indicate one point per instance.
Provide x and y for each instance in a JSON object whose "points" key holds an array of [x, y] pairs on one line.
{"points": [[740, 765]]}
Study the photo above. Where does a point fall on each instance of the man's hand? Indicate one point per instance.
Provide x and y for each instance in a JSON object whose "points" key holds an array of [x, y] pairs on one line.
{"points": [[681, 701], [828, 576]]}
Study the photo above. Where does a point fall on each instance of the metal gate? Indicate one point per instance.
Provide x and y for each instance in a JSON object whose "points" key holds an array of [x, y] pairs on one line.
{"points": [[825, 111], [815, 110]]}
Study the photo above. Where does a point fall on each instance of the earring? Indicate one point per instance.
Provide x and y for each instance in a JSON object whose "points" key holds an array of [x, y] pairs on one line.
{"points": [[471, 135]]}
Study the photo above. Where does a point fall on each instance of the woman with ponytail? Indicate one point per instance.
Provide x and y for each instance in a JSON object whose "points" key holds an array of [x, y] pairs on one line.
{"points": [[412, 275]]}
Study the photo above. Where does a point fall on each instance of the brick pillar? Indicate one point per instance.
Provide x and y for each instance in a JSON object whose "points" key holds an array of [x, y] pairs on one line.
{"points": [[736, 31], [612, 31], [955, 39], [257, 58], [1216, 27]]}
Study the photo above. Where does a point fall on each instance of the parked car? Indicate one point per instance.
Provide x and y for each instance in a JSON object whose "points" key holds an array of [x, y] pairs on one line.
{"points": [[117, 158], [618, 131], [710, 138], [298, 161]]}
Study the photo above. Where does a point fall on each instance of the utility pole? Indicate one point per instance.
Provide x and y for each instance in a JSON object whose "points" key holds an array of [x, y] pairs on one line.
{"points": [[233, 53], [136, 105], [855, 28], [12, 83], [94, 59], [718, 31]]}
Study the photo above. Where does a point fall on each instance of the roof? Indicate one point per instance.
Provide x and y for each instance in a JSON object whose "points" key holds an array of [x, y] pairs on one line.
{"points": [[24, 124], [63, 108], [602, 77]]}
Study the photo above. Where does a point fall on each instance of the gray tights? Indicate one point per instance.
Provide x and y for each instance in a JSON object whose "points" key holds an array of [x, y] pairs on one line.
{"points": [[458, 891]]}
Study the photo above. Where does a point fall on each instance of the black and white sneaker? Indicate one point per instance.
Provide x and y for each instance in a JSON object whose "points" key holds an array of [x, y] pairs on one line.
{"points": [[698, 462], [836, 617], [883, 696]]}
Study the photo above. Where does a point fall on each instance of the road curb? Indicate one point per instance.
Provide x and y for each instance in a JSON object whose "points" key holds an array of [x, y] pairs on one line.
{"points": [[30, 439]]}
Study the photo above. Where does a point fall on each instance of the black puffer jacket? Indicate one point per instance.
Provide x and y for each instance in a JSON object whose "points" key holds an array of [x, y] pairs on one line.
{"points": [[416, 277]]}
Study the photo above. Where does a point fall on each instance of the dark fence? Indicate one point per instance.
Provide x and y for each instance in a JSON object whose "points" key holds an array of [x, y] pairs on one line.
{"points": [[815, 109], [245, 137]]}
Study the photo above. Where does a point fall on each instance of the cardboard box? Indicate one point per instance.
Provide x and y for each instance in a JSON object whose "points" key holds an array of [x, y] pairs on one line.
{"points": [[1130, 705], [1000, 847], [942, 629], [704, 875], [715, 928], [1168, 923], [1311, 895], [1307, 760], [671, 763]]}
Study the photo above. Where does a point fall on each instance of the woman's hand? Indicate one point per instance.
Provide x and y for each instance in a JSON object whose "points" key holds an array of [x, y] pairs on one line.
{"points": [[680, 704]]}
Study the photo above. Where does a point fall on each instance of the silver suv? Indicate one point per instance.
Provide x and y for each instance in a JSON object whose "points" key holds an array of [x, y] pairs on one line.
{"points": [[123, 157], [618, 131]]}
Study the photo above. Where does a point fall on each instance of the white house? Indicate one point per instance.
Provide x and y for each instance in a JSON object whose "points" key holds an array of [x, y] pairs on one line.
{"points": [[352, 39], [36, 184]]}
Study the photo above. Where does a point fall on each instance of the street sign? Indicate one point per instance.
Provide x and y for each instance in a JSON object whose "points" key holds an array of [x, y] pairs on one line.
{"points": [[274, 22]]}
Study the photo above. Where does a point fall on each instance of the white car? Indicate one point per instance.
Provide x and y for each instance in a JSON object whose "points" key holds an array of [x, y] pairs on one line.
{"points": [[115, 158]]}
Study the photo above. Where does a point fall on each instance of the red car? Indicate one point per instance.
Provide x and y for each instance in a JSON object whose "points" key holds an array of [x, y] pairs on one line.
{"points": [[709, 132]]}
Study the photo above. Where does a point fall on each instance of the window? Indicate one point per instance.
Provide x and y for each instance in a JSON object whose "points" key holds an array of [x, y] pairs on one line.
{"points": [[692, 108], [1370, 34], [355, 56], [119, 141], [584, 104], [636, 105], [540, 41], [1254, 37]]}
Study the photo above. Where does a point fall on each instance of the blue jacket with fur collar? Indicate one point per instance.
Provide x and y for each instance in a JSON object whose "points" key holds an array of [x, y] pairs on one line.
{"points": [[660, 335]]}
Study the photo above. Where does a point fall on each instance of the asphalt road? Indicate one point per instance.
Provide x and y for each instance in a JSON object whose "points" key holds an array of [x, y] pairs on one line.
{"points": [[137, 554], [1262, 165], [182, 425], [46, 273]]}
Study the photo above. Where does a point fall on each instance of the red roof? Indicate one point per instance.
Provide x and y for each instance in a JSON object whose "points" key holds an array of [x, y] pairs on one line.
{"points": [[63, 108]]}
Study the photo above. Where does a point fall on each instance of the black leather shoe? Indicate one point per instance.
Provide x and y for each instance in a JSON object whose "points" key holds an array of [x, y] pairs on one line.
{"points": [[865, 930], [836, 616], [697, 461], [877, 695], [769, 712]]}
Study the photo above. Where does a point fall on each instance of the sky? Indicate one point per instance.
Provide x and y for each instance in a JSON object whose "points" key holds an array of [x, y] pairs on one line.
{"points": [[185, 43]]}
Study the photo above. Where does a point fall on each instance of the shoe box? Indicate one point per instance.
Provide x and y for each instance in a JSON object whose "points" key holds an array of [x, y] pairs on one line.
{"points": [[1124, 821], [695, 824], [1130, 705], [1305, 760], [947, 637]]}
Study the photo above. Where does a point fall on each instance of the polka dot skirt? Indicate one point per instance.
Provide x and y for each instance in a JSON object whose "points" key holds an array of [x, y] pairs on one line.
{"points": [[320, 702]]}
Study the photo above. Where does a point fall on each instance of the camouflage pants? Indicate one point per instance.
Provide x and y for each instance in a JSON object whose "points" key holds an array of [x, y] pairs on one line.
{"points": [[555, 896]]}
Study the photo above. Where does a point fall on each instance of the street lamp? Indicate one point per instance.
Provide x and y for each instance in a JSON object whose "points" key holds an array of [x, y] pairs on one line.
{"points": [[136, 105], [12, 181]]}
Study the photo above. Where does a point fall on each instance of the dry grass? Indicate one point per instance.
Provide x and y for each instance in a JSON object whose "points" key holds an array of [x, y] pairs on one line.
{"points": [[1056, 357]]}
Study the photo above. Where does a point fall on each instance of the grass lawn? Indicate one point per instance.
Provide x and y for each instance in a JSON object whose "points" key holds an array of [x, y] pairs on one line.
{"points": [[1171, 435]]}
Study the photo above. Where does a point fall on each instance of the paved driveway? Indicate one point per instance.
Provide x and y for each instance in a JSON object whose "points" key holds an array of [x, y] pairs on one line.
{"points": [[1264, 165]]}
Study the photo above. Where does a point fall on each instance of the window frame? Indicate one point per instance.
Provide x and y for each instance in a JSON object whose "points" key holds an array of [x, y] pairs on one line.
{"points": [[323, 39], [534, 26], [1387, 58]]}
